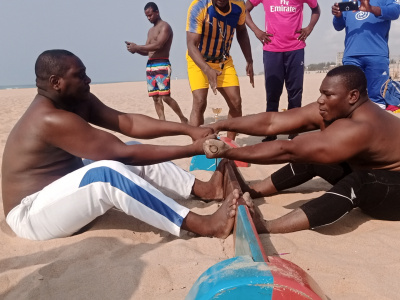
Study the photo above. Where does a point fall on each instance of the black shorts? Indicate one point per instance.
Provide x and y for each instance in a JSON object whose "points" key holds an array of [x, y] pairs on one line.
{"points": [[376, 192]]}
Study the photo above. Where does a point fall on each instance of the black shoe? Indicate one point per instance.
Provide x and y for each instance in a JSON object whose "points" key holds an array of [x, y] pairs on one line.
{"points": [[292, 136], [269, 138]]}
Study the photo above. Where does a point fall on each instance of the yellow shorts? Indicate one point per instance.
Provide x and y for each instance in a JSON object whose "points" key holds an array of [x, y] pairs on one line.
{"points": [[198, 80]]}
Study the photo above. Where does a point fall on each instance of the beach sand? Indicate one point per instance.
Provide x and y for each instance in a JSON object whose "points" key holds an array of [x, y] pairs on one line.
{"points": [[118, 257]]}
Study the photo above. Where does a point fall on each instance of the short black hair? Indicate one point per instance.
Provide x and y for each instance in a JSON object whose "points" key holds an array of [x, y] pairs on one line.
{"points": [[352, 76], [151, 5], [50, 62]]}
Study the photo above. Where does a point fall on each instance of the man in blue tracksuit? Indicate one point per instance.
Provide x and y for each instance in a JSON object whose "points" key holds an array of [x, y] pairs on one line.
{"points": [[366, 41]]}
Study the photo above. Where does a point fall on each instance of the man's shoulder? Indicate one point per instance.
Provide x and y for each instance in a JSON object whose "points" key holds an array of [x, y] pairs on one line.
{"points": [[166, 25], [198, 6], [240, 4]]}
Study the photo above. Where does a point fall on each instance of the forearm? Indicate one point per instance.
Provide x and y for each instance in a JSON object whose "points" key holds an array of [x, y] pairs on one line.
{"points": [[244, 42], [143, 127], [262, 153], [258, 124], [143, 154], [145, 49], [196, 56], [339, 23]]}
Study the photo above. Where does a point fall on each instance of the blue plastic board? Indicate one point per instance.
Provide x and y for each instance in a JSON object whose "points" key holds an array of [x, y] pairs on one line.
{"points": [[201, 162], [235, 278], [246, 242]]}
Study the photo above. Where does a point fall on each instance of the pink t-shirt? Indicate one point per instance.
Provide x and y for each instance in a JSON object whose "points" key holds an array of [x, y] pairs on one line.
{"points": [[282, 19]]}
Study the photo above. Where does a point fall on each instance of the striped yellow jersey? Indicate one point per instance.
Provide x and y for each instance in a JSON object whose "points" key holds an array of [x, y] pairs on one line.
{"points": [[215, 27]]}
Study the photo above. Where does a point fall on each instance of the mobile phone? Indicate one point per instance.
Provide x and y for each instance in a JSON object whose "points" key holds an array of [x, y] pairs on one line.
{"points": [[348, 6]]}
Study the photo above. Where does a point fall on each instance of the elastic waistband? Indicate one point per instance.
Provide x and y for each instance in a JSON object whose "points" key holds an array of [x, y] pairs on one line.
{"points": [[159, 58]]}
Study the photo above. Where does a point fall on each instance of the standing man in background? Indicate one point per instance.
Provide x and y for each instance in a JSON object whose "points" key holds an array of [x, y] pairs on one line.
{"points": [[283, 44], [158, 69], [210, 29], [366, 41]]}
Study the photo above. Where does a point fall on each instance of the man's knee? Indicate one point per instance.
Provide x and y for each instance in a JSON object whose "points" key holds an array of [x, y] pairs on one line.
{"points": [[199, 100], [112, 164], [157, 99]]}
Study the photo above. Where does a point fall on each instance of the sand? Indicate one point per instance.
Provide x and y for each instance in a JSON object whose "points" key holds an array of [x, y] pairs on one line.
{"points": [[118, 257]]}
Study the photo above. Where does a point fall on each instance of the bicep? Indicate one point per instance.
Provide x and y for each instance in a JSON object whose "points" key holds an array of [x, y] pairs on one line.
{"points": [[163, 36], [74, 135], [192, 39], [103, 115], [249, 6], [301, 119], [331, 146]]}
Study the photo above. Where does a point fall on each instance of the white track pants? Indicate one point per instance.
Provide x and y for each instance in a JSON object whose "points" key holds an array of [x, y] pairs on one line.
{"points": [[71, 202]]}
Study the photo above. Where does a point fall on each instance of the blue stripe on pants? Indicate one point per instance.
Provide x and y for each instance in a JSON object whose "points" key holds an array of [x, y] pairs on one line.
{"points": [[117, 180]]}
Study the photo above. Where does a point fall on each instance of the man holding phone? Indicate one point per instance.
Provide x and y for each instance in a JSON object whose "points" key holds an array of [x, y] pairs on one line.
{"points": [[346, 6], [366, 41], [158, 68]]}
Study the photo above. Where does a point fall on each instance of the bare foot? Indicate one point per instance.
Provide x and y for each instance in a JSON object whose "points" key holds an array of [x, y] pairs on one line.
{"points": [[256, 214], [184, 120], [223, 219], [214, 188], [215, 148], [219, 224]]}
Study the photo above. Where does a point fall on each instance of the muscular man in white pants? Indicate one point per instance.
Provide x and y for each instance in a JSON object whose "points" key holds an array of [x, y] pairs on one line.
{"points": [[48, 192]]}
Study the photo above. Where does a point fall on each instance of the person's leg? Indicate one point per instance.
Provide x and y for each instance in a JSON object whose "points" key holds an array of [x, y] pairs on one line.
{"points": [[292, 175], [173, 180], [214, 188], [376, 192], [159, 106], [380, 194], [274, 80], [175, 107], [294, 76], [199, 107], [377, 72], [232, 97], [71, 202], [153, 90], [164, 71], [199, 85], [219, 224]]}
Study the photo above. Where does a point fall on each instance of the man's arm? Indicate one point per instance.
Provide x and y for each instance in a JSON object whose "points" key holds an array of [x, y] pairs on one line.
{"points": [[305, 32], [390, 11], [338, 21], [260, 34], [271, 123], [137, 125], [244, 42], [153, 45], [70, 132], [193, 41], [341, 141]]}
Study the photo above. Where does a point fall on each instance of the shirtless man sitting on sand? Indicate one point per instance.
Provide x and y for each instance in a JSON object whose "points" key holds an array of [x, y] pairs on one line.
{"points": [[350, 142], [49, 191]]}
